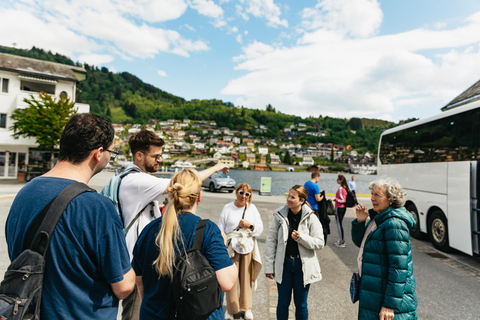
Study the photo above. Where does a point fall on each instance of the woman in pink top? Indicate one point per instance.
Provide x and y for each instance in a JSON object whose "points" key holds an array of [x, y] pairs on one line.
{"points": [[340, 209]]}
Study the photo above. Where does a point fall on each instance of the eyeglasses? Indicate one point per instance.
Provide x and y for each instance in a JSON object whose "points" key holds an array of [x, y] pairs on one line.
{"points": [[378, 195], [246, 194], [157, 157], [113, 153]]}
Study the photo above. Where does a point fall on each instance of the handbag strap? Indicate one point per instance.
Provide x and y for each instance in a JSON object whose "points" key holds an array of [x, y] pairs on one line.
{"points": [[53, 213], [243, 216]]}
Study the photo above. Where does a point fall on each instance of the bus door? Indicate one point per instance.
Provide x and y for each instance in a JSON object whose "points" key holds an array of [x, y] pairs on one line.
{"points": [[458, 205], [475, 205]]}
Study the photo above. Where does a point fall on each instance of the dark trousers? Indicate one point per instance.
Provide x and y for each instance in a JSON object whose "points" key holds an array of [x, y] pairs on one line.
{"points": [[131, 306], [292, 280], [340, 213]]}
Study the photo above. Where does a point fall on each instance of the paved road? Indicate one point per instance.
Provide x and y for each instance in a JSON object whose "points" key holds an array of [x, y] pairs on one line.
{"points": [[448, 285]]}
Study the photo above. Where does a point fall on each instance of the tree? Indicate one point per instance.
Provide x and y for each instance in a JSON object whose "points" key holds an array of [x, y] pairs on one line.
{"points": [[43, 119], [355, 123], [287, 159]]}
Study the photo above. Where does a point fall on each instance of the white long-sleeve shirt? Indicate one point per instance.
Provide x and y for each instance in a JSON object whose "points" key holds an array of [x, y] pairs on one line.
{"points": [[231, 216]]}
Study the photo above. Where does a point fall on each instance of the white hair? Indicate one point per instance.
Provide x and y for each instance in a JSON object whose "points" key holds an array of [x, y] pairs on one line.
{"points": [[393, 190]]}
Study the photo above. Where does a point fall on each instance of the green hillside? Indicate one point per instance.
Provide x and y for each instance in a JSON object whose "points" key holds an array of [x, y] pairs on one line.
{"points": [[124, 98]]}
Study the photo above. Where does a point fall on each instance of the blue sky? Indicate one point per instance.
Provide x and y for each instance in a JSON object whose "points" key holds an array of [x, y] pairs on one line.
{"points": [[345, 58]]}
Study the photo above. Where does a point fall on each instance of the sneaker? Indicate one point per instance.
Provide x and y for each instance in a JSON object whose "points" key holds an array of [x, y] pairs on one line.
{"points": [[248, 315], [228, 316], [340, 244]]}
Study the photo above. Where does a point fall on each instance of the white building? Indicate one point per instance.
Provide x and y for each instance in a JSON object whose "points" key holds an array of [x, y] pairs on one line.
{"points": [[262, 150], [21, 78], [274, 159]]}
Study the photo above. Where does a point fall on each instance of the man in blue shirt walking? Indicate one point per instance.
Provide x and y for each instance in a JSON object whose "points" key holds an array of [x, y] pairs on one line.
{"points": [[313, 191]]}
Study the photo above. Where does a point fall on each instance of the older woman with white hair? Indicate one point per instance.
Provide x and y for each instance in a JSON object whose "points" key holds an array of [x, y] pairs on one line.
{"points": [[387, 285]]}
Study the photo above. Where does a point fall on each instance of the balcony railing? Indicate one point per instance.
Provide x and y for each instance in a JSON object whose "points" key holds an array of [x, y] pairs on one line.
{"points": [[21, 104]]}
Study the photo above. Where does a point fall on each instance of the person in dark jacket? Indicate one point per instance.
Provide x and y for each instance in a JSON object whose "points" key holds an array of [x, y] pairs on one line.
{"points": [[387, 287]]}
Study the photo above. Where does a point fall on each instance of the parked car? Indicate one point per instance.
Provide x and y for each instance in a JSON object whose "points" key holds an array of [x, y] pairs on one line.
{"points": [[219, 181]]}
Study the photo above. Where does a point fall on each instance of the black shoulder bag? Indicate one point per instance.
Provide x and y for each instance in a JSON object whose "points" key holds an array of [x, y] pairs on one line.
{"points": [[21, 288]]}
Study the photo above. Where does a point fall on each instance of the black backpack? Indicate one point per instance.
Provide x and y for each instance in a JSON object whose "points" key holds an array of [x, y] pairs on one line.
{"points": [[195, 289], [21, 288], [350, 201]]}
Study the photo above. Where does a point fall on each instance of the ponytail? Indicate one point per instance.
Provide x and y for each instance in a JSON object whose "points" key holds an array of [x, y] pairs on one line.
{"points": [[183, 192]]}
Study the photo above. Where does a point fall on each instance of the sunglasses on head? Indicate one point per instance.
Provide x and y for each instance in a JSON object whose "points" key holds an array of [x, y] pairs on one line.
{"points": [[247, 194]]}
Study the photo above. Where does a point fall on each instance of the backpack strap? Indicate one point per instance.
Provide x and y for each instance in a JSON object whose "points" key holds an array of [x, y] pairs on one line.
{"points": [[56, 208], [123, 175], [197, 241], [136, 217], [32, 230]]}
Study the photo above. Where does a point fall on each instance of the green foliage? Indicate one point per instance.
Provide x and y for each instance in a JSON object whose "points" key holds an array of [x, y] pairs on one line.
{"points": [[355, 123], [288, 159], [37, 53], [43, 119]]}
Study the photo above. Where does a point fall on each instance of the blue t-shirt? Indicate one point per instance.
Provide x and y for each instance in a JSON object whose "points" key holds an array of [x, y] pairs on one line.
{"points": [[87, 251], [312, 189], [157, 294]]}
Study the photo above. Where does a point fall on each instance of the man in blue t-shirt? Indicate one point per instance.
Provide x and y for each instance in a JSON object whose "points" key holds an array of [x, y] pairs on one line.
{"points": [[87, 267], [313, 191]]}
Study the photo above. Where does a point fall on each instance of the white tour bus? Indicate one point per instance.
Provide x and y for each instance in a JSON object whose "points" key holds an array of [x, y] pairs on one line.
{"points": [[436, 160]]}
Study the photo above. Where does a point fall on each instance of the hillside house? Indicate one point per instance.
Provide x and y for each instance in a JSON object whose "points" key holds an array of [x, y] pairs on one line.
{"points": [[260, 166], [229, 161], [22, 78], [242, 149], [262, 150], [274, 159], [307, 161], [250, 157]]}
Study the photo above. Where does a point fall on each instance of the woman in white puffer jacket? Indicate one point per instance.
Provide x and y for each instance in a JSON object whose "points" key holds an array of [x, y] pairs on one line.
{"points": [[290, 259]]}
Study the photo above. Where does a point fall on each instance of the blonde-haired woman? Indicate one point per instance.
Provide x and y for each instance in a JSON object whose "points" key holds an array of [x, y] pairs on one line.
{"points": [[290, 259], [242, 223], [166, 237]]}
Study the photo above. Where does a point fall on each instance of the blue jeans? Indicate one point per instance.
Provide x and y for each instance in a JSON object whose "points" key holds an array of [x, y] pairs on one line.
{"points": [[292, 279]]}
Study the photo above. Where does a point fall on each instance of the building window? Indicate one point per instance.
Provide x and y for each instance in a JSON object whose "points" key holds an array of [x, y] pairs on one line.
{"points": [[37, 87], [3, 120], [4, 85]]}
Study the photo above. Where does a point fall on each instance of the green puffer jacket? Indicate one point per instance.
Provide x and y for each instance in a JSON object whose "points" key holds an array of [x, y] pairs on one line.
{"points": [[387, 269]]}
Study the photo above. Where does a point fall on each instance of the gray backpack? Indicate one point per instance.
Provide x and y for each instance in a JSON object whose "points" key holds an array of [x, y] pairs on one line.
{"points": [[21, 288]]}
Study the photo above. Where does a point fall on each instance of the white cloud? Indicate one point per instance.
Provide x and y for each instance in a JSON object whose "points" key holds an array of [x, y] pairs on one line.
{"points": [[239, 38], [266, 9], [358, 18], [241, 12], [235, 29], [96, 59], [439, 25], [210, 9], [207, 8], [151, 10], [189, 27], [329, 74], [161, 73], [36, 32], [79, 27]]}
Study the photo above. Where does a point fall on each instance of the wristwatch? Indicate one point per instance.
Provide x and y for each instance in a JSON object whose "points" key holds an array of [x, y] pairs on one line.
{"points": [[251, 227]]}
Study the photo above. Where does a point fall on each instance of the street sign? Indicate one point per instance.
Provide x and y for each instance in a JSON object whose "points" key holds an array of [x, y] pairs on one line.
{"points": [[265, 186]]}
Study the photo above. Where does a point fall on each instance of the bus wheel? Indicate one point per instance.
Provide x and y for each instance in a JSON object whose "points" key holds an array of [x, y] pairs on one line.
{"points": [[415, 232], [438, 230]]}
